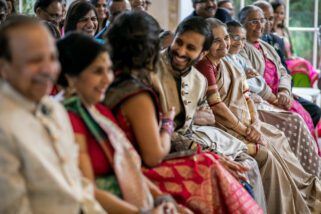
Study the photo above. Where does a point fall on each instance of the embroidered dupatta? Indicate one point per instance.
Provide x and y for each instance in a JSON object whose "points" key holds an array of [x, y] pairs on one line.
{"points": [[124, 160]]}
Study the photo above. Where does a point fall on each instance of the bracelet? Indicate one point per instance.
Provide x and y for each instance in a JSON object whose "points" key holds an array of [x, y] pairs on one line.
{"points": [[167, 125], [144, 211], [257, 146]]}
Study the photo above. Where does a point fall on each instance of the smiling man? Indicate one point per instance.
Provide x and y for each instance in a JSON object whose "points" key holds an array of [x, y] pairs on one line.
{"points": [[38, 156]]}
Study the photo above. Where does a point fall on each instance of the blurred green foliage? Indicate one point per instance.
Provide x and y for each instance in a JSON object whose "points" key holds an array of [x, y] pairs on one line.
{"points": [[27, 6]]}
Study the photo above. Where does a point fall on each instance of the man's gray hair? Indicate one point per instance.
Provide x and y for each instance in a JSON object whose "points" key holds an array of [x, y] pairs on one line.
{"points": [[244, 13]]}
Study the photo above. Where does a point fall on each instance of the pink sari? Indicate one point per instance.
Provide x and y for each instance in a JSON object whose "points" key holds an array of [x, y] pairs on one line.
{"points": [[272, 79], [299, 65]]}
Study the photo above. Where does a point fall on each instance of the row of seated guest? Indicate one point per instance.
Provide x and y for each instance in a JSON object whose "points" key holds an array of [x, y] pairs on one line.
{"points": [[207, 9], [278, 44], [228, 96], [301, 141], [95, 129], [271, 164], [87, 67], [305, 155], [253, 131]]}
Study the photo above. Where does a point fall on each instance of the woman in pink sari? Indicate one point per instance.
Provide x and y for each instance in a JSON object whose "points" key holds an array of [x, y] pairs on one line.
{"points": [[266, 61], [296, 65]]}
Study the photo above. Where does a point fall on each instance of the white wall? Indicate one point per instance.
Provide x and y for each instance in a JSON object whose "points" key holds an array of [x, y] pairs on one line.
{"points": [[159, 9], [185, 8]]}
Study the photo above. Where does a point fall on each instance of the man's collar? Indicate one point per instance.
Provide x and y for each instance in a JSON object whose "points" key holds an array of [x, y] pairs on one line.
{"points": [[13, 94]]}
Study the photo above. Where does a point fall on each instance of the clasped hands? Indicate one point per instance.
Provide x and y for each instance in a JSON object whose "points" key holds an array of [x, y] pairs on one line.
{"points": [[284, 100], [253, 134]]}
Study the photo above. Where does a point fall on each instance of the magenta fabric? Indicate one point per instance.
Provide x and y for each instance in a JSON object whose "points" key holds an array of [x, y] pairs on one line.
{"points": [[302, 66]]}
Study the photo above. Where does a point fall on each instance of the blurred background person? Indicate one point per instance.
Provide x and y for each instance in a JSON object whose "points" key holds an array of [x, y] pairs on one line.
{"points": [[49, 10], [82, 17], [102, 12]]}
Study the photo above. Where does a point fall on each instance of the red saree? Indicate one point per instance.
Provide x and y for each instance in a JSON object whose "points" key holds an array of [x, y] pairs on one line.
{"points": [[198, 181]]}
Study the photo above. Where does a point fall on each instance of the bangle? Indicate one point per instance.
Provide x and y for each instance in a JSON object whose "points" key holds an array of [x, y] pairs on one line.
{"points": [[257, 146], [167, 125], [144, 211]]}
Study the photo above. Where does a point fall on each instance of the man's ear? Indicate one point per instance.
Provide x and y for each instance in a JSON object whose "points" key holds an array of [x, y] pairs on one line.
{"points": [[4, 68], [38, 11], [203, 54]]}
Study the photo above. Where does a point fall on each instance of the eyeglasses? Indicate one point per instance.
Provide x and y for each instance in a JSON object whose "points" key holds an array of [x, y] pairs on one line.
{"points": [[54, 16], [237, 38], [257, 21], [204, 1]]}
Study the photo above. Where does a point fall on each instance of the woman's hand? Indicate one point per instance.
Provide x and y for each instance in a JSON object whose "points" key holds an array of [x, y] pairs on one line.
{"points": [[284, 100], [234, 168], [250, 73], [164, 208], [253, 135], [204, 117]]}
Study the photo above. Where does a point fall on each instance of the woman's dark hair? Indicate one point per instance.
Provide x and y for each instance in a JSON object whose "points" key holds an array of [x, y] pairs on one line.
{"points": [[76, 52], [233, 24], [77, 10], [198, 25], [134, 39]]}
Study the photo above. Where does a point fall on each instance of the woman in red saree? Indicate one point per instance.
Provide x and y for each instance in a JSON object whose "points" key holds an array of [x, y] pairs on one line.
{"points": [[198, 181]]}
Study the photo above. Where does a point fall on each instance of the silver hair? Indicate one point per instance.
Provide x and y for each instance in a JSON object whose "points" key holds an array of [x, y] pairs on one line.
{"points": [[244, 13]]}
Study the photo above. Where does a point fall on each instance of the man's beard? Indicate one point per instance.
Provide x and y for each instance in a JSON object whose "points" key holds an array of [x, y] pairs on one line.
{"points": [[189, 64]]}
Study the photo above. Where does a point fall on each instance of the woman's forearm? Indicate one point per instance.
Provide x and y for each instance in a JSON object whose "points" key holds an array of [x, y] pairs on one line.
{"points": [[113, 204], [252, 109], [224, 116]]}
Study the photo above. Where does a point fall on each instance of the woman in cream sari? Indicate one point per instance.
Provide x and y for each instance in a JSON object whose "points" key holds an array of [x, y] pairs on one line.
{"points": [[235, 112], [301, 141], [265, 60]]}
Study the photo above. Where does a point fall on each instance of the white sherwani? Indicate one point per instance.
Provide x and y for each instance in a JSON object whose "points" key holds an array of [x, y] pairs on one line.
{"points": [[39, 159]]}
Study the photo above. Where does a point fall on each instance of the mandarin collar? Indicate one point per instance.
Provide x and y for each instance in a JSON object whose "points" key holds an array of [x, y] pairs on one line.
{"points": [[22, 101]]}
